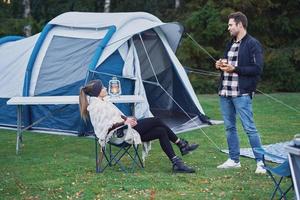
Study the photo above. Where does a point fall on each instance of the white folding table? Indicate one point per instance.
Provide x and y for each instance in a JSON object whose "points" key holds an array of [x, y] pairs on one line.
{"points": [[57, 100]]}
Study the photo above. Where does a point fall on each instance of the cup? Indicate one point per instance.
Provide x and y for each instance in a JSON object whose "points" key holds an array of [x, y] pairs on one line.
{"points": [[297, 140], [224, 61]]}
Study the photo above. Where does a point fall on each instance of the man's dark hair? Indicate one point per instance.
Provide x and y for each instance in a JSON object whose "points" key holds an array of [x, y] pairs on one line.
{"points": [[239, 17]]}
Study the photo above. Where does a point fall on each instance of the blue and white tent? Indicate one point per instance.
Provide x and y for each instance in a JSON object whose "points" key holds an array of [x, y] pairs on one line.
{"points": [[76, 47]]}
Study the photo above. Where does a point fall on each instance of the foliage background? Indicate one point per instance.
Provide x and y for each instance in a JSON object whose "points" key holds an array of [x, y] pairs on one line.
{"points": [[275, 23]]}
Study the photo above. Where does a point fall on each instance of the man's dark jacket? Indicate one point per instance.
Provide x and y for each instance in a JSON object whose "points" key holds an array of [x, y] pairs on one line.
{"points": [[250, 64]]}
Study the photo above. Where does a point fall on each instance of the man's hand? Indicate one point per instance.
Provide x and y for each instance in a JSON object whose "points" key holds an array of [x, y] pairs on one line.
{"points": [[227, 68], [131, 121], [218, 64]]}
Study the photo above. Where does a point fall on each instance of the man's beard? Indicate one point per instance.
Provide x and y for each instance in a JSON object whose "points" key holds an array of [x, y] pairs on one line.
{"points": [[233, 34]]}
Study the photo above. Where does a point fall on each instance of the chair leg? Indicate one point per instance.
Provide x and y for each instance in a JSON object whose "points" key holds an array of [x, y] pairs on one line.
{"points": [[136, 154], [107, 158], [286, 191], [134, 159], [114, 158], [277, 188], [99, 157], [276, 185], [110, 156]]}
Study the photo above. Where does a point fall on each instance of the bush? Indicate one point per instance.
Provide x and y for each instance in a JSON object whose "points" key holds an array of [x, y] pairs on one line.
{"points": [[204, 84], [280, 71]]}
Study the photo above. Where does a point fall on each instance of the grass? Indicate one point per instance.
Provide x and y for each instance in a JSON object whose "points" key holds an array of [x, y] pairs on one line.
{"points": [[62, 167]]}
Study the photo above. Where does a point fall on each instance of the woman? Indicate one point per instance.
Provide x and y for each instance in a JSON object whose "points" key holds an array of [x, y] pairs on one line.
{"points": [[149, 129]]}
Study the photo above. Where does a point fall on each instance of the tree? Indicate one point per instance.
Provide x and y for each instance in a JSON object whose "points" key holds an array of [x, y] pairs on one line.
{"points": [[27, 28], [177, 4], [107, 6]]}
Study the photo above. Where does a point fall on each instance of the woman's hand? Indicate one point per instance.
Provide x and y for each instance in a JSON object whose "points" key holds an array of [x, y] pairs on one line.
{"points": [[131, 121]]}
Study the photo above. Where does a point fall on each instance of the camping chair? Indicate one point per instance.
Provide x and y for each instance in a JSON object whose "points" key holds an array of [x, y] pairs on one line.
{"points": [[282, 171], [115, 151]]}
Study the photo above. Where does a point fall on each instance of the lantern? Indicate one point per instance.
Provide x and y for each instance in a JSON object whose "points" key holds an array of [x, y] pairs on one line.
{"points": [[114, 88]]}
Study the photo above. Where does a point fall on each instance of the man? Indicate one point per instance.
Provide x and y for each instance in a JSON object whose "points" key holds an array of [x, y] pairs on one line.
{"points": [[241, 71]]}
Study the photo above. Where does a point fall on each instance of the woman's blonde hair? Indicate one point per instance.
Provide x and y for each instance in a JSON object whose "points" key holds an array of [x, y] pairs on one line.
{"points": [[83, 102]]}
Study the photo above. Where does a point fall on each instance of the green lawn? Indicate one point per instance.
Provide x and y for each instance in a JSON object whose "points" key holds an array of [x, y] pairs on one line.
{"points": [[62, 167]]}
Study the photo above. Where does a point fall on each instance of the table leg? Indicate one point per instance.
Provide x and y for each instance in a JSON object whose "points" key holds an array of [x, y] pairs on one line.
{"points": [[19, 128]]}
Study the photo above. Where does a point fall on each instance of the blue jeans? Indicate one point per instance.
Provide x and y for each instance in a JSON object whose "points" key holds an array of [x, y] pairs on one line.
{"points": [[230, 106]]}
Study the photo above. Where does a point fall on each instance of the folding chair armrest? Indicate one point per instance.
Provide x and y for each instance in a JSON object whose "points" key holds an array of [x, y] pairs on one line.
{"points": [[263, 152], [119, 128], [118, 131]]}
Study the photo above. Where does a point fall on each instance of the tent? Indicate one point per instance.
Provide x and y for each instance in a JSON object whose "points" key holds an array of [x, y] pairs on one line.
{"points": [[76, 47]]}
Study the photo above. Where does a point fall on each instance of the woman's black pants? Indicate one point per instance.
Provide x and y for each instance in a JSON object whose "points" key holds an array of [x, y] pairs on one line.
{"points": [[153, 128]]}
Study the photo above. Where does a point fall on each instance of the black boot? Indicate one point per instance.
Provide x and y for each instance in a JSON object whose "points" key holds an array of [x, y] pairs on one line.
{"points": [[185, 147], [180, 167]]}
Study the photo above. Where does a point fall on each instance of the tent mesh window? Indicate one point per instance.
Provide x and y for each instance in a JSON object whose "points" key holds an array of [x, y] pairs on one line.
{"points": [[62, 72], [161, 70], [65, 63]]}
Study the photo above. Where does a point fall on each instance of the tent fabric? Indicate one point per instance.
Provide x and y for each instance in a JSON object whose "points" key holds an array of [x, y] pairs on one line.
{"points": [[12, 69], [127, 24], [141, 110], [180, 70], [76, 47]]}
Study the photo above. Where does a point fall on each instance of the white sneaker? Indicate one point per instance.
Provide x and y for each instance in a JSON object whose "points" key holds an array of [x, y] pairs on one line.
{"points": [[229, 164], [260, 168]]}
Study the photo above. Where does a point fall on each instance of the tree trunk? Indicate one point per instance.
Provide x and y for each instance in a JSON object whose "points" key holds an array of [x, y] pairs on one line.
{"points": [[177, 4], [107, 6], [27, 28], [6, 1]]}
